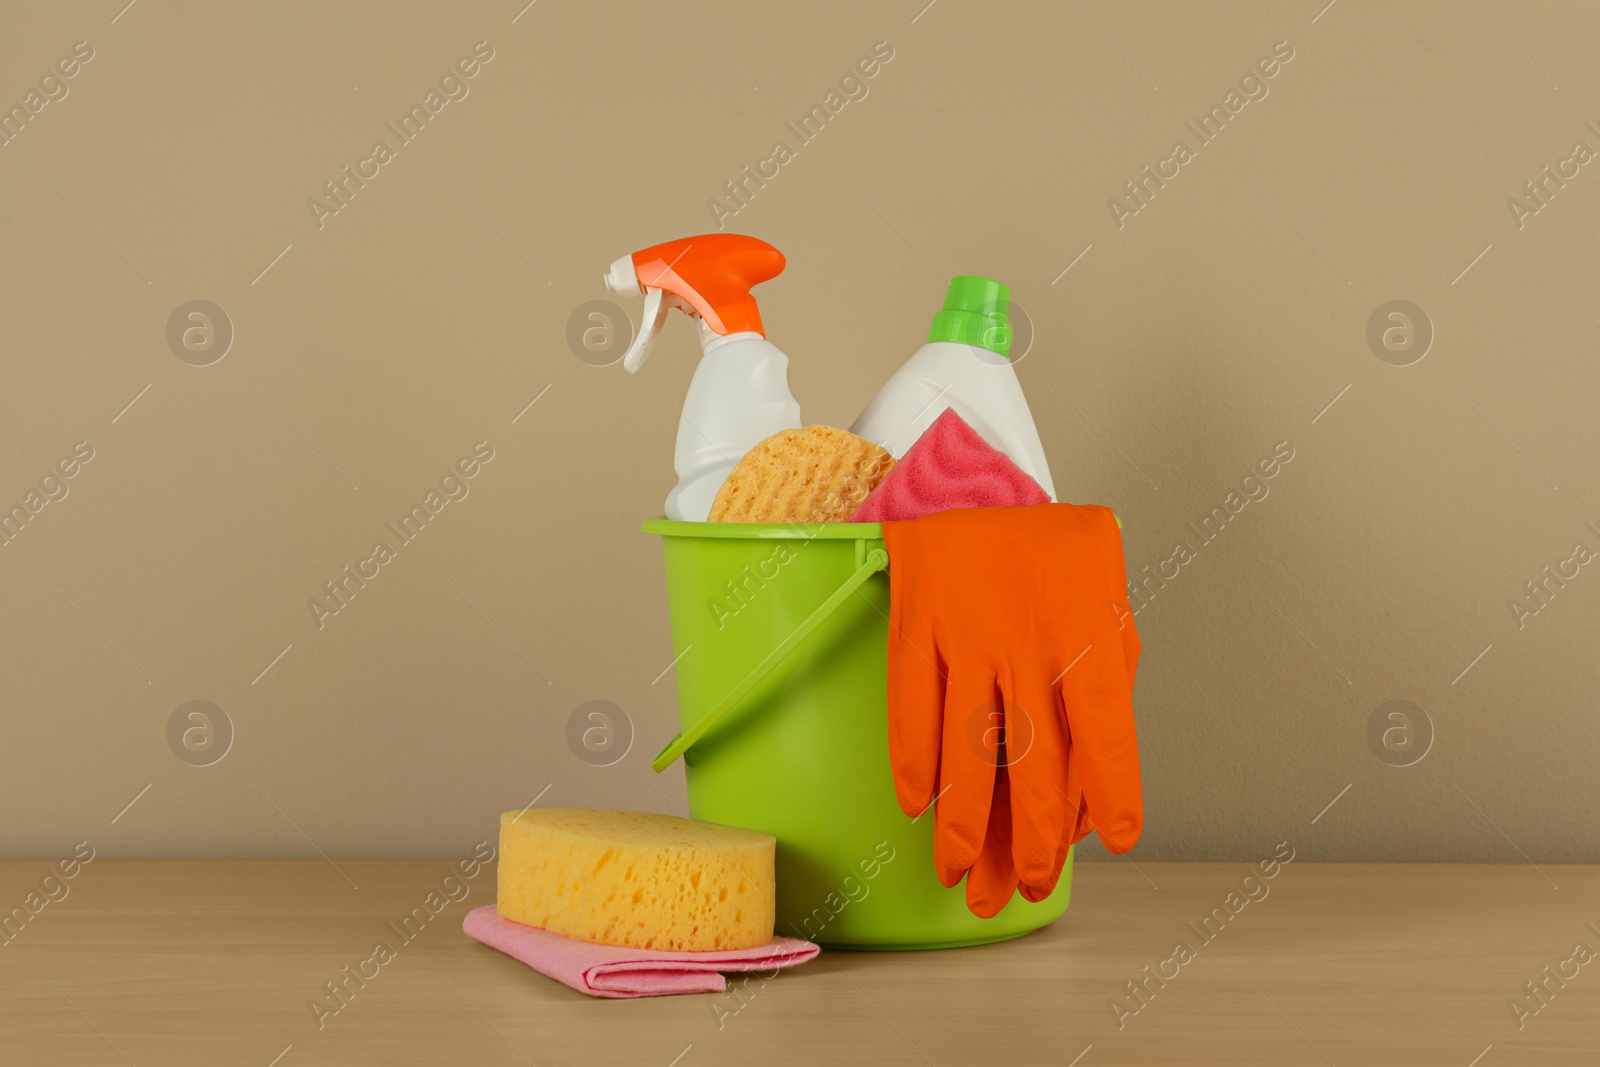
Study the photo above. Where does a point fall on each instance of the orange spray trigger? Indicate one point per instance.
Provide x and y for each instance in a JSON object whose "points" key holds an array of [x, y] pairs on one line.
{"points": [[709, 277]]}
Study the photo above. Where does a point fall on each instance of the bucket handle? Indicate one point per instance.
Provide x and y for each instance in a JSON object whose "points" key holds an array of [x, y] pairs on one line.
{"points": [[876, 560]]}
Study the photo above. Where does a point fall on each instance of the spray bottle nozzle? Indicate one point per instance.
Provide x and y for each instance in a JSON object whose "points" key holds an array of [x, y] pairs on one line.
{"points": [[622, 278], [708, 277]]}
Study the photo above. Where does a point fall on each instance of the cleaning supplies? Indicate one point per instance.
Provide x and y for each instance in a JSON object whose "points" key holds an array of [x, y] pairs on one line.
{"points": [[782, 702], [950, 466], [612, 971], [965, 367], [740, 391], [1027, 603], [636, 879]]}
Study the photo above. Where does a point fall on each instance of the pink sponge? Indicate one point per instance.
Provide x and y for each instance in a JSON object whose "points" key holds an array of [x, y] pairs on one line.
{"points": [[949, 466]]}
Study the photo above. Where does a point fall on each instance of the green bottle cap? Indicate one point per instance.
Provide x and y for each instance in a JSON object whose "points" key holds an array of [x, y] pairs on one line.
{"points": [[976, 312]]}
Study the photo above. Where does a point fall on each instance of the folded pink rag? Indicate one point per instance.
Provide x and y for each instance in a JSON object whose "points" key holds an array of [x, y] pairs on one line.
{"points": [[613, 971], [949, 466]]}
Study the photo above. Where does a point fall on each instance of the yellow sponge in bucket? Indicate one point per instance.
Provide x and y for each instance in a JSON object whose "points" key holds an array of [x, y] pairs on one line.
{"points": [[812, 474], [636, 879]]}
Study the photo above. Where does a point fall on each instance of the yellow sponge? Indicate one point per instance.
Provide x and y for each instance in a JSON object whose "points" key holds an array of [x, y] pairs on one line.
{"points": [[638, 880]]}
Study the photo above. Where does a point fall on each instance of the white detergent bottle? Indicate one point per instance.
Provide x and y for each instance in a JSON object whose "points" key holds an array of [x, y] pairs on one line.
{"points": [[740, 392], [964, 366]]}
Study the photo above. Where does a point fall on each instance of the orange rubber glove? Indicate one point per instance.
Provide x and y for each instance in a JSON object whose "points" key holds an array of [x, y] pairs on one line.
{"points": [[1013, 623]]}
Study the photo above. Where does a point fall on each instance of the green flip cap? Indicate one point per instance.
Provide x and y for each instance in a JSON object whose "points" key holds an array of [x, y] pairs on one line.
{"points": [[976, 312]]}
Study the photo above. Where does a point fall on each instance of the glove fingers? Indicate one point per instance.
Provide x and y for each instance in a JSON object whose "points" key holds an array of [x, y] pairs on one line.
{"points": [[916, 690], [1036, 893], [993, 879], [1078, 822], [1071, 797], [1036, 766], [1073, 830], [1039, 890], [974, 723], [1099, 706], [1077, 807]]}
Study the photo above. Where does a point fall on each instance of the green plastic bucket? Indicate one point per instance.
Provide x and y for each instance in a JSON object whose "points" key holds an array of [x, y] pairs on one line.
{"points": [[781, 635]]}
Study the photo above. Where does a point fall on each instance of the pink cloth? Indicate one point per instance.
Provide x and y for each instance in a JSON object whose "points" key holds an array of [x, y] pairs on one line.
{"points": [[612, 971], [949, 466]]}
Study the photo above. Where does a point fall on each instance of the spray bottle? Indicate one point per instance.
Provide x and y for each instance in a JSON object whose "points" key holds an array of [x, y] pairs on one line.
{"points": [[740, 392]]}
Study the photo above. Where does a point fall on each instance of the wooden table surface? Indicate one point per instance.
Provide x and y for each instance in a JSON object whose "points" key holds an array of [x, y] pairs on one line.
{"points": [[216, 963]]}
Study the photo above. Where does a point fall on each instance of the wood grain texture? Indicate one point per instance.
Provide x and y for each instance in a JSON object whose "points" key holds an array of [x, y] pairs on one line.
{"points": [[215, 963]]}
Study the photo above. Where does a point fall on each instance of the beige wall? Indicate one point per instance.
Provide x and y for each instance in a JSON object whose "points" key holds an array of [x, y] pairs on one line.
{"points": [[372, 352]]}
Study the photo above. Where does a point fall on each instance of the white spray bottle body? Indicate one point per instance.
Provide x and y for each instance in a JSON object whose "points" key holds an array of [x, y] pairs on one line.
{"points": [[739, 396]]}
